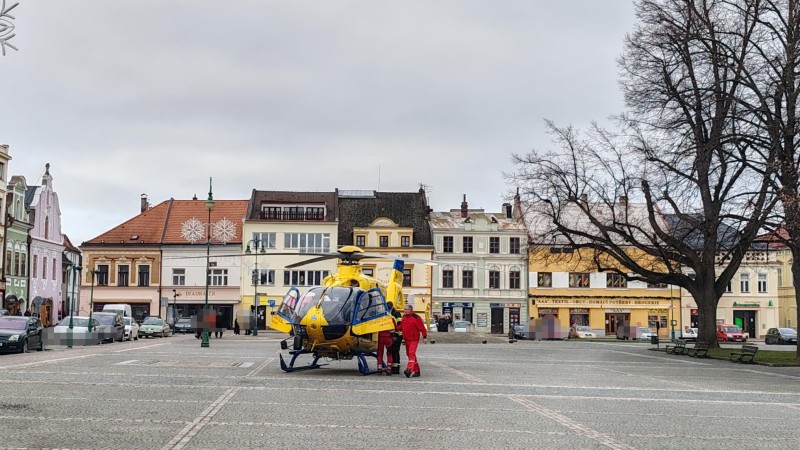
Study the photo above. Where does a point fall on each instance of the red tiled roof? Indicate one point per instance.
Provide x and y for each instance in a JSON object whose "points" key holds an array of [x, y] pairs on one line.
{"points": [[164, 224]]}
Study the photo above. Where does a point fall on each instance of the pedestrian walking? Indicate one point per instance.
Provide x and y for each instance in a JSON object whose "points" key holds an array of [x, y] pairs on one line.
{"points": [[220, 325], [236, 327], [412, 326]]}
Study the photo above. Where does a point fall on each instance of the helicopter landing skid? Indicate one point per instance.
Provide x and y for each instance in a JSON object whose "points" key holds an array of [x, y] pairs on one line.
{"points": [[363, 366], [292, 368]]}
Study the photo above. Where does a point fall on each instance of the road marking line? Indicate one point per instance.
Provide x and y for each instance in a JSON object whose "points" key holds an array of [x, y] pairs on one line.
{"points": [[459, 373], [660, 358], [189, 431], [259, 368], [576, 427], [139, 348], [125, 363], [36, 363]]}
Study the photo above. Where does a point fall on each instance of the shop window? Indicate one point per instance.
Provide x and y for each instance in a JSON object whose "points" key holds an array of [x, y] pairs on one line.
{"points": [[616, 281], [544, 279], [578, 280], [467, 279]]}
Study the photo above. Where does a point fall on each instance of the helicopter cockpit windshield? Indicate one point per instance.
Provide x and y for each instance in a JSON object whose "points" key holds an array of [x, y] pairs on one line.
{"points": [[336, 303]]}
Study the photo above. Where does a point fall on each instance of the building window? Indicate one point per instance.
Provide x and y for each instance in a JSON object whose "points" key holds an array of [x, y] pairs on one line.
{"points": [[9, 256], [47, 228], [657, 285], [744, 282], [143, 280], [265, 240], [578, 280], [615, 280], [361, 240], [178, 277], [729, 287], [218, 277], [35, 264], [406, 277], [308, 242], [405, 241], [304, 277], [383, 241], [264, 277], [514, 246], [54, 268], [762, 283], [494, 245], [293, 213], [122, 275], [466, 244], [23, 265], [102, 274], [447, 278], [544, 279], [494, 279], [315, 213], [467, 279], [367, 271], [780, 277], [271, 212], [447, 246], [514, 279], [44, 267]]}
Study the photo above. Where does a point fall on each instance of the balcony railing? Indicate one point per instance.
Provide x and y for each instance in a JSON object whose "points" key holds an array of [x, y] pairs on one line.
{"points": [[292, 216]]}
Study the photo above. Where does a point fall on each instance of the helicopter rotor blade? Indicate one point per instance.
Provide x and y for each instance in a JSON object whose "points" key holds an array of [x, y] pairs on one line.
{"points": [[313, 260], [404, 259]]}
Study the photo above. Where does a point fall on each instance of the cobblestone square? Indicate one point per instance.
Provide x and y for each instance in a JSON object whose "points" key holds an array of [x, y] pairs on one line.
{"points": [[171, 394]]}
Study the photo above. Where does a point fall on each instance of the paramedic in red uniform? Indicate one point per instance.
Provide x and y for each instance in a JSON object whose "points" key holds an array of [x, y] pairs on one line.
{"points": [[385, 342], [412, 327]]}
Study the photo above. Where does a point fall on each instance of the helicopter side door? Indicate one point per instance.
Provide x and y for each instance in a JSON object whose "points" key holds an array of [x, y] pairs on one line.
{"points": [[371, 314], [282, 320]]}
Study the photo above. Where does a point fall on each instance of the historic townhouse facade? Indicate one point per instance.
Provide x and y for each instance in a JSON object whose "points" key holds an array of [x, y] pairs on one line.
{"points": [[4, 159], [285, 222], [392, 223], [71, 274], [482, 261], [46, 250], [17, 227], [156, 261]]}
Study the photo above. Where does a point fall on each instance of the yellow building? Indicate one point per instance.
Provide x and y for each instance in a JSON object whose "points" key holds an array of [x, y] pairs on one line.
{"points": [[565, 283]]}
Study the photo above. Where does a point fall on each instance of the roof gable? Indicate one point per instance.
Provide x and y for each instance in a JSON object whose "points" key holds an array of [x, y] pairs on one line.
{"points": [[406, 209]]}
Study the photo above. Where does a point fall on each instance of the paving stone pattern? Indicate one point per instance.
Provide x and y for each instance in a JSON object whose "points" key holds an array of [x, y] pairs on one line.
{"points": [[171, 394]]}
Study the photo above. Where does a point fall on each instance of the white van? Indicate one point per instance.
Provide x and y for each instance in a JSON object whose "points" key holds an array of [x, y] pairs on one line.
{"points": [[122, 308]]}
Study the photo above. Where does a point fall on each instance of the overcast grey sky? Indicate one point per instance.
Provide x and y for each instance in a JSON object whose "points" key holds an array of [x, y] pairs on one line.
{"points": [[154, 96]]}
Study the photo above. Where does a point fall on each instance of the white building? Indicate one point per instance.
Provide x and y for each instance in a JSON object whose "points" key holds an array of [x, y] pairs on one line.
{"points": [[482, 267]]}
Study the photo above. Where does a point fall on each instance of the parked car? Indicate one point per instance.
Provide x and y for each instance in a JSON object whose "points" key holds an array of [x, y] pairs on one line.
{"points": [[730, 333], [689, 334], [123, 309], [520, 332], [154, 326], [461, 326], [781, 336], [131, 329], [80, 331], [184, 325], [19, 333], [112, 327], [585, 332], [646, 333]]}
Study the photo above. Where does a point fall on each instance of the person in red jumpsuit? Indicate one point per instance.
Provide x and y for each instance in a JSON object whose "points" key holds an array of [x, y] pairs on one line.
{"points": [[412, 326], [385, 341]]}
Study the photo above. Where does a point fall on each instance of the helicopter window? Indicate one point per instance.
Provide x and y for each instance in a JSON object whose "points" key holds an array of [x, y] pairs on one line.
{"points": [[371, 304], [289, 304], [309, 299], [337, 304]]}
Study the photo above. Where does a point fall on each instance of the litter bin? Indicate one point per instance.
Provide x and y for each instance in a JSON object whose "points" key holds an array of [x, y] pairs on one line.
{"points": [[654, 340]]}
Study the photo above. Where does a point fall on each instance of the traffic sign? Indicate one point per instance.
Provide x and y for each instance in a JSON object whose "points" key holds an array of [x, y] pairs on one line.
{"points": [[271, 303]]}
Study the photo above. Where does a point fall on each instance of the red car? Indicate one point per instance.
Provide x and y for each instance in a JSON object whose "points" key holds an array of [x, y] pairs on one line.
{"points": [[730, 333]]}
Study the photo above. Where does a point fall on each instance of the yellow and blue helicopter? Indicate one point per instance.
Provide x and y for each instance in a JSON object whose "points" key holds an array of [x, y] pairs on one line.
{"points": [[340, 319]]}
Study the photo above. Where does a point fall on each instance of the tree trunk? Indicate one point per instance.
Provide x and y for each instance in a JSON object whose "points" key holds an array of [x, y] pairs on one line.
{"points": [[796, 283], [707, 316]]}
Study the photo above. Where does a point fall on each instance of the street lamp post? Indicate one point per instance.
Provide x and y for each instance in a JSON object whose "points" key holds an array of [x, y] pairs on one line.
{"points": [[91, 300], [75, 271], [256, 280], [210, 207]]}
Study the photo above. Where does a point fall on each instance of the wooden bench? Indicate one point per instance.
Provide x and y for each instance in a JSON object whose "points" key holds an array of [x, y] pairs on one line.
{"points": [[700, 350], [747, 351], [678, 349]]}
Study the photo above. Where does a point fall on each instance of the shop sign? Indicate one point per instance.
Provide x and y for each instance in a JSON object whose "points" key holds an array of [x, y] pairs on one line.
{"points": [[579, 311], [505, 305], [601, 301], [457, 304], [617, 310], [553, 311], [747, 305], [483, 319], [659, 311]]}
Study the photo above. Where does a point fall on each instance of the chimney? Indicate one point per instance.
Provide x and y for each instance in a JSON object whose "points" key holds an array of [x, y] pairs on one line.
{"points": [[144, 205], [623, 201], [507, 210], [464, 208], [517, 212]]}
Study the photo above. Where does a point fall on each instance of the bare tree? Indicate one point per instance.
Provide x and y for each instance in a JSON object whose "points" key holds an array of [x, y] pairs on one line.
{"points": [[695, 191]]}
